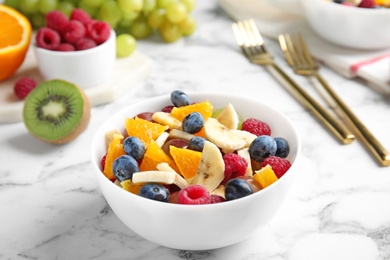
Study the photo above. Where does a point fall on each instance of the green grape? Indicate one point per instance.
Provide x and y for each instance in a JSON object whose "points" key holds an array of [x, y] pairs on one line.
{"points": [[92, 11], [93, 3], [140, 29], [73, 2], [129, 15], [149, 5], [165, 3], [125, 45], [190, 4], [37, 20], [155, 18], [28, 6], [110, 12], [12, 3], [188, 26], [170, 32], [66, 8], [45, 6], [176, 12], [130, 5]]}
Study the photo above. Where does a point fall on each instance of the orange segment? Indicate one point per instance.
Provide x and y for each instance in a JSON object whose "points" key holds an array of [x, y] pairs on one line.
{"points": [[153, 156], [186, 160], [15, 36], [115, 149], [144, 129], [205, 108], [131, 187], [265, 176]]}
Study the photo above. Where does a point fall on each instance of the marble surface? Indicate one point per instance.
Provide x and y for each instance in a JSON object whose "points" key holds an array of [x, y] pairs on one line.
{"points": [[338, 208]]}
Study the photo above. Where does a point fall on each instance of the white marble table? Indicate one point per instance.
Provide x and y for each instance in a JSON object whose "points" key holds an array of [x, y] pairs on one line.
{"points": [[339, 207]]}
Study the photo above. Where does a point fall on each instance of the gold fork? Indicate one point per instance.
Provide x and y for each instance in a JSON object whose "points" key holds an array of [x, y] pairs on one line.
{"points": [[252, 45], [299, 58]]}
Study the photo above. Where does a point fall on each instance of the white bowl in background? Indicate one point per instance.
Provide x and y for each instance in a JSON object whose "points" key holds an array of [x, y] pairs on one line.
{"points": [[352, 27], [198, 227], [85, 68]]}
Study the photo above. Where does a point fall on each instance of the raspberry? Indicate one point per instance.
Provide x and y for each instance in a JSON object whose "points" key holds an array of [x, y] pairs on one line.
{"points": [[66, 47], [74, 31], [367, 4], [57, 21], [84, 44], [256, 127], [24, 86], [217, 199], [194, 194], [235, 166], [48, 38], [279, 165], [98, 31], [80, 15]]}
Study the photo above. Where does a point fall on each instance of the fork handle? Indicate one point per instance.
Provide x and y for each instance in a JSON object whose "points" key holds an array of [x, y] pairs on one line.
{"points": [[366, 137], [334, 126]]}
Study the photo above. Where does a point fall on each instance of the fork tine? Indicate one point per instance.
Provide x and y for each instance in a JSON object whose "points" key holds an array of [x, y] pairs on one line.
{"points": [[305, 50], [294, 52]]}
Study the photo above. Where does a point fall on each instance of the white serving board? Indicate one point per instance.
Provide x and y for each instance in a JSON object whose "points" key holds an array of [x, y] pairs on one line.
{"points": [[128, 73]]}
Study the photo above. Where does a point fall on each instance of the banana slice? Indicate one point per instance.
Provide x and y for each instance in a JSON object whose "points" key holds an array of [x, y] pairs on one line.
{"points": [[228, 117], [166, 119], [162, 138], [179, 181], [220, 191], [109, 136], [244, 153], [166, 177], [248, 137], [175, 133], [211, 168], [221, 136]]}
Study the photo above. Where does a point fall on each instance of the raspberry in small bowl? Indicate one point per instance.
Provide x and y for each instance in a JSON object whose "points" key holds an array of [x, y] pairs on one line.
{"points": [[80, 50], [194, 212]]}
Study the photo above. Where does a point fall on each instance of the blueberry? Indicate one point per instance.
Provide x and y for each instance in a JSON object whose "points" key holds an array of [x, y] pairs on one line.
{"points": [[192, 123], [282, 147], [262, 147], [154, 191], [179, 98], [124, 166], [134, 147], [237, 188], [196, 143]]}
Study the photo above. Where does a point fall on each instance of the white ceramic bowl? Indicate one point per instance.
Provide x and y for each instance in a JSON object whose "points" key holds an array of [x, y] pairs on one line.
{"points": [[352, 27], [86, 68], [198, 227]]}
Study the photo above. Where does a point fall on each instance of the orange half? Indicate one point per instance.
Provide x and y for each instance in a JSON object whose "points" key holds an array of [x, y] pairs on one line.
{"points": [[15, 36]]}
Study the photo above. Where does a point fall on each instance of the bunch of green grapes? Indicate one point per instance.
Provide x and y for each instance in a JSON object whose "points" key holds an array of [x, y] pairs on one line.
{"points": [[139, 18]]}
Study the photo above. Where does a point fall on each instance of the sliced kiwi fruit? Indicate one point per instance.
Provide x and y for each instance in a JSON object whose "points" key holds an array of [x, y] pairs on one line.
{"points": [[56, 111]]}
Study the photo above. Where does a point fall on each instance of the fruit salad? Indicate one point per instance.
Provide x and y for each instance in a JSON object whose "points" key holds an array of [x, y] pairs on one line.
{"points": [[193, 153]]}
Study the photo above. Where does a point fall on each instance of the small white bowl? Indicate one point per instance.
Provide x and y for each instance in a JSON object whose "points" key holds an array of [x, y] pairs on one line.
{"points": [[198, 227], [86, 68], [352, 27]]}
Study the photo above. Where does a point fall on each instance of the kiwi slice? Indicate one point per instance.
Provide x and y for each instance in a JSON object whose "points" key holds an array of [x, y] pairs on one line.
{"points": [[56, 111]]}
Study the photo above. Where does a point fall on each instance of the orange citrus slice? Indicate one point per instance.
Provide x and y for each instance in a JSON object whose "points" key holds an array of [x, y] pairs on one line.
{"points": [[144, 129], [115, 149], [205, 108], [186, 160], [15, 36], [265, 176], [153, 156]]}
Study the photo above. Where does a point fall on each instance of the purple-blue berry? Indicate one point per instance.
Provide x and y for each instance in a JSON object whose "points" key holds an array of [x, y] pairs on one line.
{"points": [[196, 143], [179, 98], [134, 147], [192, 123], [237, 188], [262, 147], [282, 147], [124, 166], [154, 191]]}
